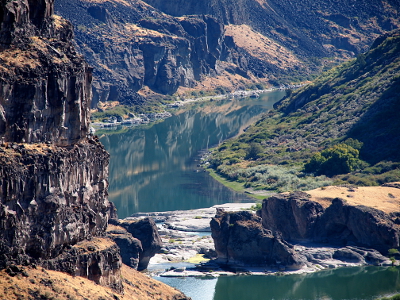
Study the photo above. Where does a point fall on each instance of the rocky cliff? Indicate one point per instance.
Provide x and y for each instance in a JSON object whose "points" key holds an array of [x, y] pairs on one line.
{"points": [[54, 207], [297, 218], [132, 45], [138, 49], [51, 197], [45, 85], [310, 29]]}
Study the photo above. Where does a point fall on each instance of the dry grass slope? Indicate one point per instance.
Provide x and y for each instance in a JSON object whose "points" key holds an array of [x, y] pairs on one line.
{"points": [[43, 284]]}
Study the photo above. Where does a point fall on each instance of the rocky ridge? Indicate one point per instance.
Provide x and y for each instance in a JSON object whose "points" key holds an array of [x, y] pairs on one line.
{"points": [[307, 28]]}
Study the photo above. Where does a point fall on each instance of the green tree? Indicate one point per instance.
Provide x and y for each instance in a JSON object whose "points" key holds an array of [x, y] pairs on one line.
{"points": [[254, 151], [339, 159]]}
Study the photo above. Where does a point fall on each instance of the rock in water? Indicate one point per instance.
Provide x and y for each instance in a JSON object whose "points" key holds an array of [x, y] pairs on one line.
{"points": [[240, 239]]}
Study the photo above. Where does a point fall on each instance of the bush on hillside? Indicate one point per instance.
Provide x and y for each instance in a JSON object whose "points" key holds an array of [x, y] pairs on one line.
{"points": [[339, 159]]}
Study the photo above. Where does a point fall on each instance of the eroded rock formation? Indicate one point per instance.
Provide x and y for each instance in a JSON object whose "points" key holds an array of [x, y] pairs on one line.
{"points": [[338, 235], [138, 239], [44, 85], [132, 45], [51, 197], [53, 186]]}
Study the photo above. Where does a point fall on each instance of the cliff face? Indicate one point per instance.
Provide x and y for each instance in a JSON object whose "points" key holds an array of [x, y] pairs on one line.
{"points": [[53, 187], [308, 28], [132, 45], [51, 197], [44, 84]]}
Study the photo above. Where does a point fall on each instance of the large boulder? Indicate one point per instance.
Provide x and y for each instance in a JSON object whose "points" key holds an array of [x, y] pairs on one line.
{"points": [[293, 216]]}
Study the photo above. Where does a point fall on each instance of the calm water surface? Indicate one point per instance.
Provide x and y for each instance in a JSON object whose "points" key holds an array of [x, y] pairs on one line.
{"points": [[154, 168], [359, 283]]}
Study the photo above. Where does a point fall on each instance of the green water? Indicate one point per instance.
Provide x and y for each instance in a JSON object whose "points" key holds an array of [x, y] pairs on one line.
{"points": [[154, 168], [345, 283]]}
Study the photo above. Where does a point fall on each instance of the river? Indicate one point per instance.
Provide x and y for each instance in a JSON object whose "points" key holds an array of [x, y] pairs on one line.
{"points": [[154, 168]]}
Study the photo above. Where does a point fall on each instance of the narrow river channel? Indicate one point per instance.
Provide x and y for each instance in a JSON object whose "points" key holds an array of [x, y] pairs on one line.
{"points": [[154, 168]]}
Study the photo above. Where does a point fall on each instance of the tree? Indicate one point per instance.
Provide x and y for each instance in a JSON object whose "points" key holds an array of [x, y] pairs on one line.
{"points": [[339, 159], [254, 150]]}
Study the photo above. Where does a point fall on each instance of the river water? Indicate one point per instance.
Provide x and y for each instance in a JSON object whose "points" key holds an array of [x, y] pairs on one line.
{"points": [[154, 168]]}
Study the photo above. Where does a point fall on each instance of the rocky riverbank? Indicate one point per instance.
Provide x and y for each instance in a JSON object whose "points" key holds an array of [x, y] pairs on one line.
{"points": [[189, 249]]}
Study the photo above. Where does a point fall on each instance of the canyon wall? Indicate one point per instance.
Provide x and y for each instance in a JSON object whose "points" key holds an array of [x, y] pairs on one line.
{"points": [[132, 45], [53, 175], [44, 84]]}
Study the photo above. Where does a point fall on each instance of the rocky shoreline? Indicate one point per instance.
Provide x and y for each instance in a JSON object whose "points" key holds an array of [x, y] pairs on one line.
{"points": [[189, 249]]}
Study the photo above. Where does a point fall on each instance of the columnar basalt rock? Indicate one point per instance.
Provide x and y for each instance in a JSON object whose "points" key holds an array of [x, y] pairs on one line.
{"points": [[51, 197], [44, 85], [98, 260], [53, 175]]}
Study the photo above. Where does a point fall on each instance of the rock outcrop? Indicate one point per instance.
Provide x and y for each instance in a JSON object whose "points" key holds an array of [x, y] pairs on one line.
{"points": [[138, 239], [239, 239], [98, 260], [296, 218]]}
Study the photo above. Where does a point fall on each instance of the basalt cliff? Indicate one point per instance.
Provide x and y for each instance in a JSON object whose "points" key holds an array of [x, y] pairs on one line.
{"points": [[54, 208]]}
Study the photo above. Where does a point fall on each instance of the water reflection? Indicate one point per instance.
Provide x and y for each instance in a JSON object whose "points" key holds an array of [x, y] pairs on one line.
{"points": [[338, 284], [154, 169]]}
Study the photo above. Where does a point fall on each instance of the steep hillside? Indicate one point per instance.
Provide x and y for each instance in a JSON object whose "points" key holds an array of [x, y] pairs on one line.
{"points": [[357, 103], [134, 47], [309, 28], [171, 47]]}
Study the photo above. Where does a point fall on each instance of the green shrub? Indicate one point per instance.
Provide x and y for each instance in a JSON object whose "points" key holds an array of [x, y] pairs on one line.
{"points": [[254, 151], [339, 159]]}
